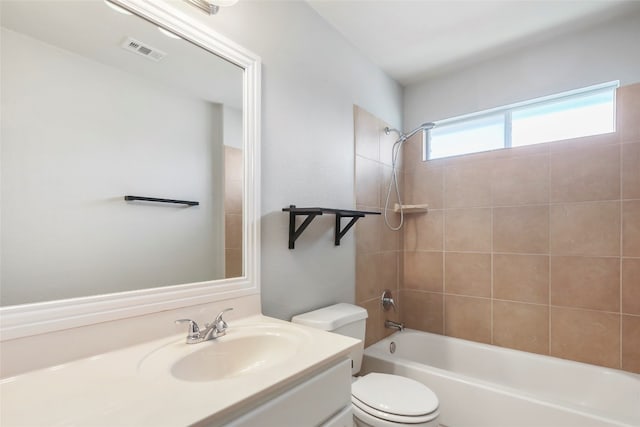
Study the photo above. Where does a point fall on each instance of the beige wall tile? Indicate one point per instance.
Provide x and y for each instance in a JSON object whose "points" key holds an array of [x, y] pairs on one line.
{"points": [[521, 229], [521, 278], [472, 158], [423, 271], [367, 277], [468, 184], [386, 145], [387, 271], [585, 229], [589, 173], [586, 282], [385, 181], [631, 171], [467, 230], [409, 180], [232, 180], [628, 111], [423, 311], [233, 231], [233, 196], [631, 343], [585, 336], [374, 273], [467, 318], [521, 326], [374, 325], [367, 182], [233, 162], [524, 151], [411, 153], [631, 286], [631, 228], [389, 239], [520, 180], [467, 274], [375, 330], [366, 134], [232, 263], [424, 232], [580, 143], [424, 185], [367, 232]]}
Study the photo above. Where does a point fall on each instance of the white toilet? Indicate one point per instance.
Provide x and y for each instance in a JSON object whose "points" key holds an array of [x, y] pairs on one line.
{"points": [[378, 400]]}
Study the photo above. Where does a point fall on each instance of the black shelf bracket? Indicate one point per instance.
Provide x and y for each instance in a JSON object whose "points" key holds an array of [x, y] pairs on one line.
{"points": [[311, 213]]}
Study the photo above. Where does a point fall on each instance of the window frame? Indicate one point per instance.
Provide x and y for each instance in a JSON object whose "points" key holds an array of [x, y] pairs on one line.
{"points": [[507, 113]]}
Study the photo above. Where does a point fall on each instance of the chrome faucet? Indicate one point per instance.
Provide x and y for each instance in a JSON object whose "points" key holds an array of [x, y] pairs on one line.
{"points": [[390, 324], [211, 331]]}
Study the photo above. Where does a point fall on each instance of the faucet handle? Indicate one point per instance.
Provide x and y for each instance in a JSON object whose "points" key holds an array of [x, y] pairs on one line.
{"points": [[194, 330], [219, 322], [387, 301]]}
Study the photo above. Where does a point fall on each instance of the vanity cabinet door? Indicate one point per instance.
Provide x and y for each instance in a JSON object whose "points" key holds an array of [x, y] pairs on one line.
{"points": [[318, 401]]}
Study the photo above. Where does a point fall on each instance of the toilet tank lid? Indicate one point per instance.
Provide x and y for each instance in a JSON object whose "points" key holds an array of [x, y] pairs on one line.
{"points": [[332, 317]]}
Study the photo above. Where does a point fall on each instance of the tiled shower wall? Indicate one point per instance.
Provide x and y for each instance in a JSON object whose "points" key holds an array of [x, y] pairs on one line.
{"points": [[378, 249], [534, 248], [232, 211]]}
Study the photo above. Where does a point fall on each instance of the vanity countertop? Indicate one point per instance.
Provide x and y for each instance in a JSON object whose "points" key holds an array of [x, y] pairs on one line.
{"points": [[124, 387]]}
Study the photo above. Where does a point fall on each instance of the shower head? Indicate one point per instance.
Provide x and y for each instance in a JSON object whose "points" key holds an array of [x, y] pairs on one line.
{"points": [[404, 136], [423, 127]]}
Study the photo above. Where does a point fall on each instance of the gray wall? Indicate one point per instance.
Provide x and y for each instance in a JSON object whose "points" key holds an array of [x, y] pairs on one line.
{"points": [[605, 52], [311, 79]]}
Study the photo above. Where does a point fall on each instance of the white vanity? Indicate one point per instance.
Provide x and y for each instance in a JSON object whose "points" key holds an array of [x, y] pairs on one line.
{"points": [[263, 372]]}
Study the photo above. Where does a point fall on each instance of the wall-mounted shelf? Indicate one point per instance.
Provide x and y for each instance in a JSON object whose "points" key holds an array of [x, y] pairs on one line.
{"points": [[409, 209], [311, 213], [155, 199]]}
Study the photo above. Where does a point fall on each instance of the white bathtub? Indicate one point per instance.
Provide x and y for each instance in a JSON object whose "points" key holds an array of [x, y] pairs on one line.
{"points": [[484, 385]]}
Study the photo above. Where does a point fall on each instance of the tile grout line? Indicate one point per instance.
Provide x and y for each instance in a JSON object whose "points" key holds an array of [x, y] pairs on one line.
{"points": [[528, 205], [492, 260], [443, 189], [549, 252], [620, 254], [514, 301]]}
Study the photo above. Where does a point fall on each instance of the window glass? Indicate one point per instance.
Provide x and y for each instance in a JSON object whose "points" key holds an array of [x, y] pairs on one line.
{"points": [[469, 136], [575, 117]]}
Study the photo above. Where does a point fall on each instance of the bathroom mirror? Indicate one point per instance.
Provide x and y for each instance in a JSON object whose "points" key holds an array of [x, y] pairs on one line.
{"points": [[104, 100]]}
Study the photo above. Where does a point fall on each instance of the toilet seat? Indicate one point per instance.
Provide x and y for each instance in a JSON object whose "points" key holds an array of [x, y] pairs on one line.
{"points": [[394, 398]]}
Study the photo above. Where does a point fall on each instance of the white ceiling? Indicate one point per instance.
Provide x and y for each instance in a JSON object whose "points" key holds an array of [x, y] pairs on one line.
{"points": [[95, 31], [413, 40]]}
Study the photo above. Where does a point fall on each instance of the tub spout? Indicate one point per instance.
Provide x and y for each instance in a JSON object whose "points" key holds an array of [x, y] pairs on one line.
{"points": [[393, 325]]}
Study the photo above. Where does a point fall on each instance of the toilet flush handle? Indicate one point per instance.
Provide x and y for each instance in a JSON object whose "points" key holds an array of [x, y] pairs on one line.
{"points": [[387, 301]]}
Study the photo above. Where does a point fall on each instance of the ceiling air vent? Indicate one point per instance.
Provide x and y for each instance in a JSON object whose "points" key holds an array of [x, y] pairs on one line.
{"points": [[135, 46]]}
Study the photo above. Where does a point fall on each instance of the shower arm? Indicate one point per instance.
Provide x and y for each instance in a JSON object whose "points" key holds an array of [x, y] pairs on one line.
{"points": [[402, 137]]}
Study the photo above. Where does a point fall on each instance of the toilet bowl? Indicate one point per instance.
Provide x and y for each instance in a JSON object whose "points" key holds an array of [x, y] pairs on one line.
{"points": [[378, 400], [384, 400]]}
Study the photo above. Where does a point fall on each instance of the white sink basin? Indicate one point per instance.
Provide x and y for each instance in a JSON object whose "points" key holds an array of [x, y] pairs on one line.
{"points": [[246, 350]]}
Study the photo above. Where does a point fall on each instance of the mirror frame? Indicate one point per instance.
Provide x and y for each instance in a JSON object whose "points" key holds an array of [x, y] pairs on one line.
{"points": [[32, 319]]}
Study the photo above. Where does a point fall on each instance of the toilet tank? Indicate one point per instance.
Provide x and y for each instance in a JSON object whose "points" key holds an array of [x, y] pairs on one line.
{"points": [[343, 319]]}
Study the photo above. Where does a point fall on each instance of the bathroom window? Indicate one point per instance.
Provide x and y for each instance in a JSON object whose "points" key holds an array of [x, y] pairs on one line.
{"points": [[579, 113]]}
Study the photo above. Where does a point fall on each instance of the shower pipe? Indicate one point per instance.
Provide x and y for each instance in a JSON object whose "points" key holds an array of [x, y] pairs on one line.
{"points": [[393, 183]]}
